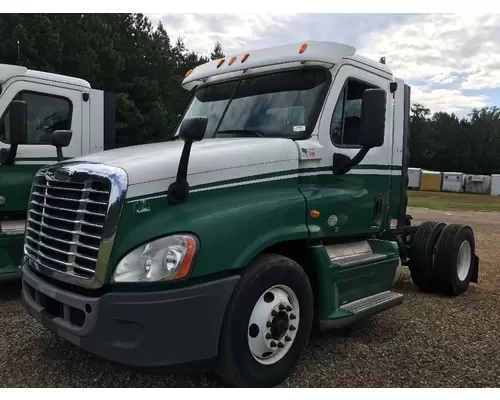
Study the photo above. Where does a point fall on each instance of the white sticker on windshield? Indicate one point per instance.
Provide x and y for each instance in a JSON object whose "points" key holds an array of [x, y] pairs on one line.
{"points": [[299, 128]]}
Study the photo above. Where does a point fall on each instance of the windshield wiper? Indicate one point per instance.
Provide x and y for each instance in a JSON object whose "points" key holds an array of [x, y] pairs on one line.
{"points": [[242, 131]]}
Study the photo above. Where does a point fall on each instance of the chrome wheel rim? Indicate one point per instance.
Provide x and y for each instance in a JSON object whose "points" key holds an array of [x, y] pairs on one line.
{"points": [[273, 324], [464, 260]]}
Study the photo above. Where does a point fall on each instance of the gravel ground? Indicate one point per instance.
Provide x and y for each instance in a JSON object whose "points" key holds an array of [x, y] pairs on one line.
{"points": [[429, 341]]}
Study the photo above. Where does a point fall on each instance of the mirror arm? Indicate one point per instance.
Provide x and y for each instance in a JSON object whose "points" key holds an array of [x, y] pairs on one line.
{"points": [[359, 157], [60, 156], [178, 190], [342, 163]]}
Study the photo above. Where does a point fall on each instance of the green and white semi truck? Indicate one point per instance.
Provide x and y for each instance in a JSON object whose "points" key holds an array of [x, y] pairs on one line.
{"points": [[54, 102], [279, 206]]}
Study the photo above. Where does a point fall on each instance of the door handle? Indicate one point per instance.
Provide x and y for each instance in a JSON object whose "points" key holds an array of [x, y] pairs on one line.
{"points": [[377, 207]]}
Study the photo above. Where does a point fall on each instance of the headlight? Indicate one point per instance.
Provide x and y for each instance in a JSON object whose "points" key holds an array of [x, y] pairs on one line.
{"points": [[165, 259]]}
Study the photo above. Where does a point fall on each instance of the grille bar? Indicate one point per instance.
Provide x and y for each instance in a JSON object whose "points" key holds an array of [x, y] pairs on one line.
{"points": [[66, 209], [48, 196], [70, 189], [63, 241], [64, 219]]}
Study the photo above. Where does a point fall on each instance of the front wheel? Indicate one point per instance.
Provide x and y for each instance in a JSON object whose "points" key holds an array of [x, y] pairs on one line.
{"points": [[267, 324]]}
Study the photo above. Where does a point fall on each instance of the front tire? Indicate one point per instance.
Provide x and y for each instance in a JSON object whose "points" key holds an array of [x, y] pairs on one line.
{"points": [[267, 324]]}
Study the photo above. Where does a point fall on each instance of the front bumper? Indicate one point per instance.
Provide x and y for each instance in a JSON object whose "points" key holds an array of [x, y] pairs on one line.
{"points": [[140, 329]]}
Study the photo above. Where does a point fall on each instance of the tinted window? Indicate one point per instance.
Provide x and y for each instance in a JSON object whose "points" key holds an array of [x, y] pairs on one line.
{"points": [[345, 128], [46, 114]]}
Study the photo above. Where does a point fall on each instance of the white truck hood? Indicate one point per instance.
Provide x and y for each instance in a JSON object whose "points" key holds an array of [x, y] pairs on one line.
{"points": [[151, 168]]}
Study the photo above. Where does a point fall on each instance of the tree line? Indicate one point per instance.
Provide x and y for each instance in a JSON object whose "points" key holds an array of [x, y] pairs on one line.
{"points": [[128, 55]]}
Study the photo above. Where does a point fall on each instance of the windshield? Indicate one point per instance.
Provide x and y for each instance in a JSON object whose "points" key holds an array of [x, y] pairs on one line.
{"points": [[282, 104]]}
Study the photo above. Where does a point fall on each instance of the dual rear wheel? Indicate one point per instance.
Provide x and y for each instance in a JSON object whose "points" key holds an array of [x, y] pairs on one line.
{"points": [[442, 258]]}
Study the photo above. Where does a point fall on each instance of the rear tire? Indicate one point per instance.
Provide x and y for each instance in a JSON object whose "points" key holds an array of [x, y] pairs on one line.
{"points": [[454, 261], [258, 346], [422, 255]]}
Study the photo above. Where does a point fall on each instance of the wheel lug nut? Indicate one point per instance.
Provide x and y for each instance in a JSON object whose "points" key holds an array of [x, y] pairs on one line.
{"points": [[274, 313], [292, 327], [282, 307], [288, 308], [292, 316], [268, 324], [269, 336], [281, 345], [273, 344], [287, 338]]}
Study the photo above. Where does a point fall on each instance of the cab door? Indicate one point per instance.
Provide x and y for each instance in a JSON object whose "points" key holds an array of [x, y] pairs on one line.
{"points": [[355, 203], [49, 108]]}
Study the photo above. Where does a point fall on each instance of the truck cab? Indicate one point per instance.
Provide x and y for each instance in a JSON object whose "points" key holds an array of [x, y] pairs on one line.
{"points": [[278, 207], [54, 102]]}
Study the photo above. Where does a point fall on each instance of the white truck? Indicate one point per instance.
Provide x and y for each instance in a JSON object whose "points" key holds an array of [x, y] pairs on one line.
{"points": [[280, 206], [53, 102]]}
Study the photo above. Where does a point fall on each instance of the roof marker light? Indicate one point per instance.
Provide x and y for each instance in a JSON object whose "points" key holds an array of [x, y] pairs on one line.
{"points": [[244, 58], [188, 73], [221, 62], [232, 60], [303, 48]]}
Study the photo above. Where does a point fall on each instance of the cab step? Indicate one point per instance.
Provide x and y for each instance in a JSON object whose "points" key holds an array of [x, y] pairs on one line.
{"points": [[351, 312], [358, 258]]}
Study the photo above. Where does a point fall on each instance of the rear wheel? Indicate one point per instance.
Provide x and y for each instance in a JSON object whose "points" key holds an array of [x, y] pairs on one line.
{"points": [[422, 255], [267, 324], [454, 261]]}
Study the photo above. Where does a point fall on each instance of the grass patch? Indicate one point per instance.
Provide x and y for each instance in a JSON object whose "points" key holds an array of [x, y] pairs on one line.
{"points": [[453, 201]]}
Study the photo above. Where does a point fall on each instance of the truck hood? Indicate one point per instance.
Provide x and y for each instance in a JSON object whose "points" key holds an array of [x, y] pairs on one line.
{"points": [[151, 167]]}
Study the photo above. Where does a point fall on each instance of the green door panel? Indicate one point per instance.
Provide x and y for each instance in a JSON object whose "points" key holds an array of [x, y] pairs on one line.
{"points": [[11, 250], [15, 186]]}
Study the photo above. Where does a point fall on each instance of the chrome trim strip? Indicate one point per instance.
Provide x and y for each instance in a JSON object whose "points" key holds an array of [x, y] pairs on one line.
{"points": [[78, 172]]}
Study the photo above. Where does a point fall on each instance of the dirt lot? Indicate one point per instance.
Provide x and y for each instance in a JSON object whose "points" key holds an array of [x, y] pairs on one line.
{"points": [[429, 341]]}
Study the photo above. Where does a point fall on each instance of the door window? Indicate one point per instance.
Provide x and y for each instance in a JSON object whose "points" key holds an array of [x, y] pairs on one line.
{"points": [[46, 114], [345, 128]]}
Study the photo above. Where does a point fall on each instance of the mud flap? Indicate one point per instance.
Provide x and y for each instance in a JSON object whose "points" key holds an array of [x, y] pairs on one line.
{"points": [[475, 272]]}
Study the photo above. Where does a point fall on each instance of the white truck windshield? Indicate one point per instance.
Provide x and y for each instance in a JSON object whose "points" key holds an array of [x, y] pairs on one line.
{"points": [[281, 104]]}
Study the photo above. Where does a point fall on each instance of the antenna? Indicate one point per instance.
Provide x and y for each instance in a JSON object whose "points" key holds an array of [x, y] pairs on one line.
{"points": [[382, 60]]}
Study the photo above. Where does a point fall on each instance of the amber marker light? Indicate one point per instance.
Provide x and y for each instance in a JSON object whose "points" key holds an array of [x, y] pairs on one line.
{"points": [[315, 214], [303, 48]]}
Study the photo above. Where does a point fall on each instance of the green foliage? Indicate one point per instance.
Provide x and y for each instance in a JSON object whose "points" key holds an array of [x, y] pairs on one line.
{"points": [[127, 55], [217, 54], [443, 142], [120, 53]]}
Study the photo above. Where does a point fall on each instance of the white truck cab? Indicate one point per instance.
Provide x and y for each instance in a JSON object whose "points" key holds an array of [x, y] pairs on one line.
{"points": [[53, 102]]}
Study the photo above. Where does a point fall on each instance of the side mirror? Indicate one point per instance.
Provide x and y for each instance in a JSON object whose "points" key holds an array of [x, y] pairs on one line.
{"points": [[193, 129], [18, 122], [373, 118], [60, 139]]}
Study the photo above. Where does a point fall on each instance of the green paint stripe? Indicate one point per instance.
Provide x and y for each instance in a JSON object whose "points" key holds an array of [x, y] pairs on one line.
{"points": [[270, 175], [40, 158]]}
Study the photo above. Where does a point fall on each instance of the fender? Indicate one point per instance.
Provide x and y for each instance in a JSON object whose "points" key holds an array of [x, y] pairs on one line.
{"points": [[233, 224]]}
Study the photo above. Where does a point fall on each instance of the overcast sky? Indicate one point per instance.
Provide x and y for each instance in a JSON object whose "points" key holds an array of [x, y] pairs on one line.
{"points": [[451, 61]]}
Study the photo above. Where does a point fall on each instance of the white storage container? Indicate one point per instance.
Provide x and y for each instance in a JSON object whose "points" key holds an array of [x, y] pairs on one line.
{"points": [[479, 184], [495, 185], [452, 182], [414, 178]]}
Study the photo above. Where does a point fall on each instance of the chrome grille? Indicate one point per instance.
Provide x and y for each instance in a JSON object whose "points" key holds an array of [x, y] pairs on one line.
{"points": [[66, 221]]}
